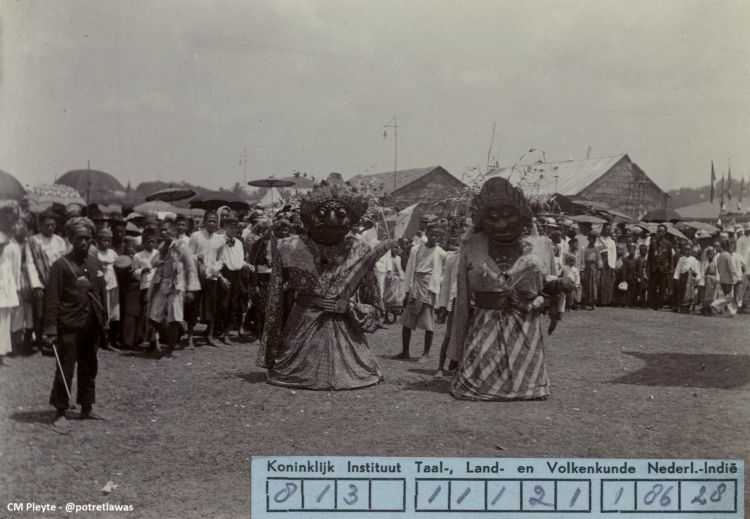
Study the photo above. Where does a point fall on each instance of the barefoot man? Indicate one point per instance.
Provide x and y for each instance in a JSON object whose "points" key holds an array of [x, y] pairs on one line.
{"points": [[424, 274]]}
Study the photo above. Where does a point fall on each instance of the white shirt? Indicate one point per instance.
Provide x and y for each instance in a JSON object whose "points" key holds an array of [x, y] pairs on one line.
{"points": [[145, 259], [687, 264], [54, 246], [233, 256], [608, 244], [208, 247]]}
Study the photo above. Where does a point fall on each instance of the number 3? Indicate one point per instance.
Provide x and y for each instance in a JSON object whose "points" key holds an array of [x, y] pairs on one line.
{"points": [[352, 495]]}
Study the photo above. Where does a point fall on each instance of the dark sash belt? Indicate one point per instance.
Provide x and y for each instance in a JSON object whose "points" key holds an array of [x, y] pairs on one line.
{"points": [[318, 302], [492, 300]]}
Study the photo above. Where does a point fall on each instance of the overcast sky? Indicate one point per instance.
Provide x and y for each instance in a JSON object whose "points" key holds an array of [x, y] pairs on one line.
{"points": [[176, 89]]}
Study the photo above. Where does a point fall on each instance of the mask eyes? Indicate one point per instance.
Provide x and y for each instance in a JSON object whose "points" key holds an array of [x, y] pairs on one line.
{"points": [[342, 213], [321, 213]]}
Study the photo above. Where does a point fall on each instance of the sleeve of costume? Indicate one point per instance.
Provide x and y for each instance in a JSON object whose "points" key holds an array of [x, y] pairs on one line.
{"points": [[445, 287], [274, 325], [460, 326], [366, 310], [52, 297], [678, 268], [34, 280], [410, 266]]}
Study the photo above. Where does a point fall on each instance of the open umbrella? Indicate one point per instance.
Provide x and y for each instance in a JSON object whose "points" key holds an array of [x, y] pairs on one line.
{"points": [[10, 188], [84, 180], [43, 196], [156, 206], [590, 204], [586, 218], [662, 214], [674, 231], [617, 214], [700, 226], [171, 194], [271, 183], [215, 199]]}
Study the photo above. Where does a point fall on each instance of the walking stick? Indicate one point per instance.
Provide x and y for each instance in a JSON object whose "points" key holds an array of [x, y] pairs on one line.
{"points": [[62, 373]]}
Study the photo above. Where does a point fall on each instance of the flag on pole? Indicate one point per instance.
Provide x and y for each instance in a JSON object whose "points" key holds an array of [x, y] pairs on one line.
{"points": [[721, 194], [713, 181], [404, 221], [729, 185], [742, 188]]}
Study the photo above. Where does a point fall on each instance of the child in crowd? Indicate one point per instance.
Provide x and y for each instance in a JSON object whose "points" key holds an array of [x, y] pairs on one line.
{"points": [[130, 294], [629, 275], [592, 266], [642, 275], [687, 276], [107, 257], [570, 271], [144, 262]]}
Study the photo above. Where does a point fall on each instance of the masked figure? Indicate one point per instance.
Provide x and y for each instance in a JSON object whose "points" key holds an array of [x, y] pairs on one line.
{"points": [[503, 281], [330, 277]]}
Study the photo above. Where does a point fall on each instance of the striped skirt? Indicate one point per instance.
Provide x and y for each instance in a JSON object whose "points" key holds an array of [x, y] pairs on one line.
{"points": [[503, 358]]}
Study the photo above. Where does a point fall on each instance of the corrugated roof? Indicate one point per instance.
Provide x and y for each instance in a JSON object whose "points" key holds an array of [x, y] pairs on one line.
{"points": [[573, 176], [388, 182], [703, 210]]}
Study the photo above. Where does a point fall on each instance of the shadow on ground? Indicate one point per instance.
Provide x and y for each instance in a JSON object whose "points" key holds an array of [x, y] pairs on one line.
{"points": [[684, 370]]}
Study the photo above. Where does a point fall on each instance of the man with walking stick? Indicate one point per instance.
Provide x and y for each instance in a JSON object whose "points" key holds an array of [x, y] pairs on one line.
{"points": [[74, 318]]}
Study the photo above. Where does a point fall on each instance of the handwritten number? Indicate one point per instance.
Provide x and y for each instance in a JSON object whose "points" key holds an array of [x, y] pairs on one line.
{"points": [[539, 491], [434, 494], [619, 495], [699, 498], [665, 499], [463, 495], [498, 496], [653, 493], [716, 496], [352, 495], [322, 494], [575, 497], [285, 493]]}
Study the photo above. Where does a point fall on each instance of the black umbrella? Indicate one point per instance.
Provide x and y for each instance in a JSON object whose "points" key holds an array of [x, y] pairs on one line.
{"points": [[10, 188], [270, 182], [215, 199], [84, 180], [662, 214], [171, 194]]}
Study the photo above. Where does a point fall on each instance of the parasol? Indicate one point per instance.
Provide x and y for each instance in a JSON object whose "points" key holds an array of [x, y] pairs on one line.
{"points": [[662, 214], [674, 231], [617, 214], [700, 226], [156, 206], [10, 188], [590, 204], [84, 180], [171, 194], [215, 199], [586, 218], [271, 183], [43, 196]]}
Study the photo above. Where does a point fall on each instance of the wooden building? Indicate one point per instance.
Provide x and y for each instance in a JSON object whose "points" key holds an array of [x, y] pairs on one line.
{"points": [[616, 183], [409, 186]]}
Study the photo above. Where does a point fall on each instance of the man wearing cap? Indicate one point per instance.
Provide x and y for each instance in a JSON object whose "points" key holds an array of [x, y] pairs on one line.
{"points": [[75, 313]]}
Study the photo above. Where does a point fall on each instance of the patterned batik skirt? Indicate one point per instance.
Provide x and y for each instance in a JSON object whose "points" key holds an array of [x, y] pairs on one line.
{"points": [[503, 358]]}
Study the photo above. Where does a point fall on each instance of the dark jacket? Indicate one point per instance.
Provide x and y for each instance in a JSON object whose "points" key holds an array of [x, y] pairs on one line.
{"points": [[660, 256], [66, 305]]}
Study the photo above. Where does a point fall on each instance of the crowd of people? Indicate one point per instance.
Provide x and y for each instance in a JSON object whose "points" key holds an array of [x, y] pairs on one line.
{"points": [[309, 281]]}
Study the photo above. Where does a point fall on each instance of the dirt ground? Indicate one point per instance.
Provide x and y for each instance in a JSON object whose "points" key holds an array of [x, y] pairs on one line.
{"points": [[180, 433]]}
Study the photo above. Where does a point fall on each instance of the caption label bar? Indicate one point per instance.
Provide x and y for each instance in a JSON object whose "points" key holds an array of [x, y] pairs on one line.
{"points": [[463, 488]]}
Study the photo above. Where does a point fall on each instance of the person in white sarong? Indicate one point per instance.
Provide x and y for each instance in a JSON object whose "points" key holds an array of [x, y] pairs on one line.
{"points": [[424, 274], [8, 296]]}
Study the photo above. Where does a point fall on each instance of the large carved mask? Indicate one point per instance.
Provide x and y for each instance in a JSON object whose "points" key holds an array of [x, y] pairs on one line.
{"points": [[501, 211], [329, 222]]}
